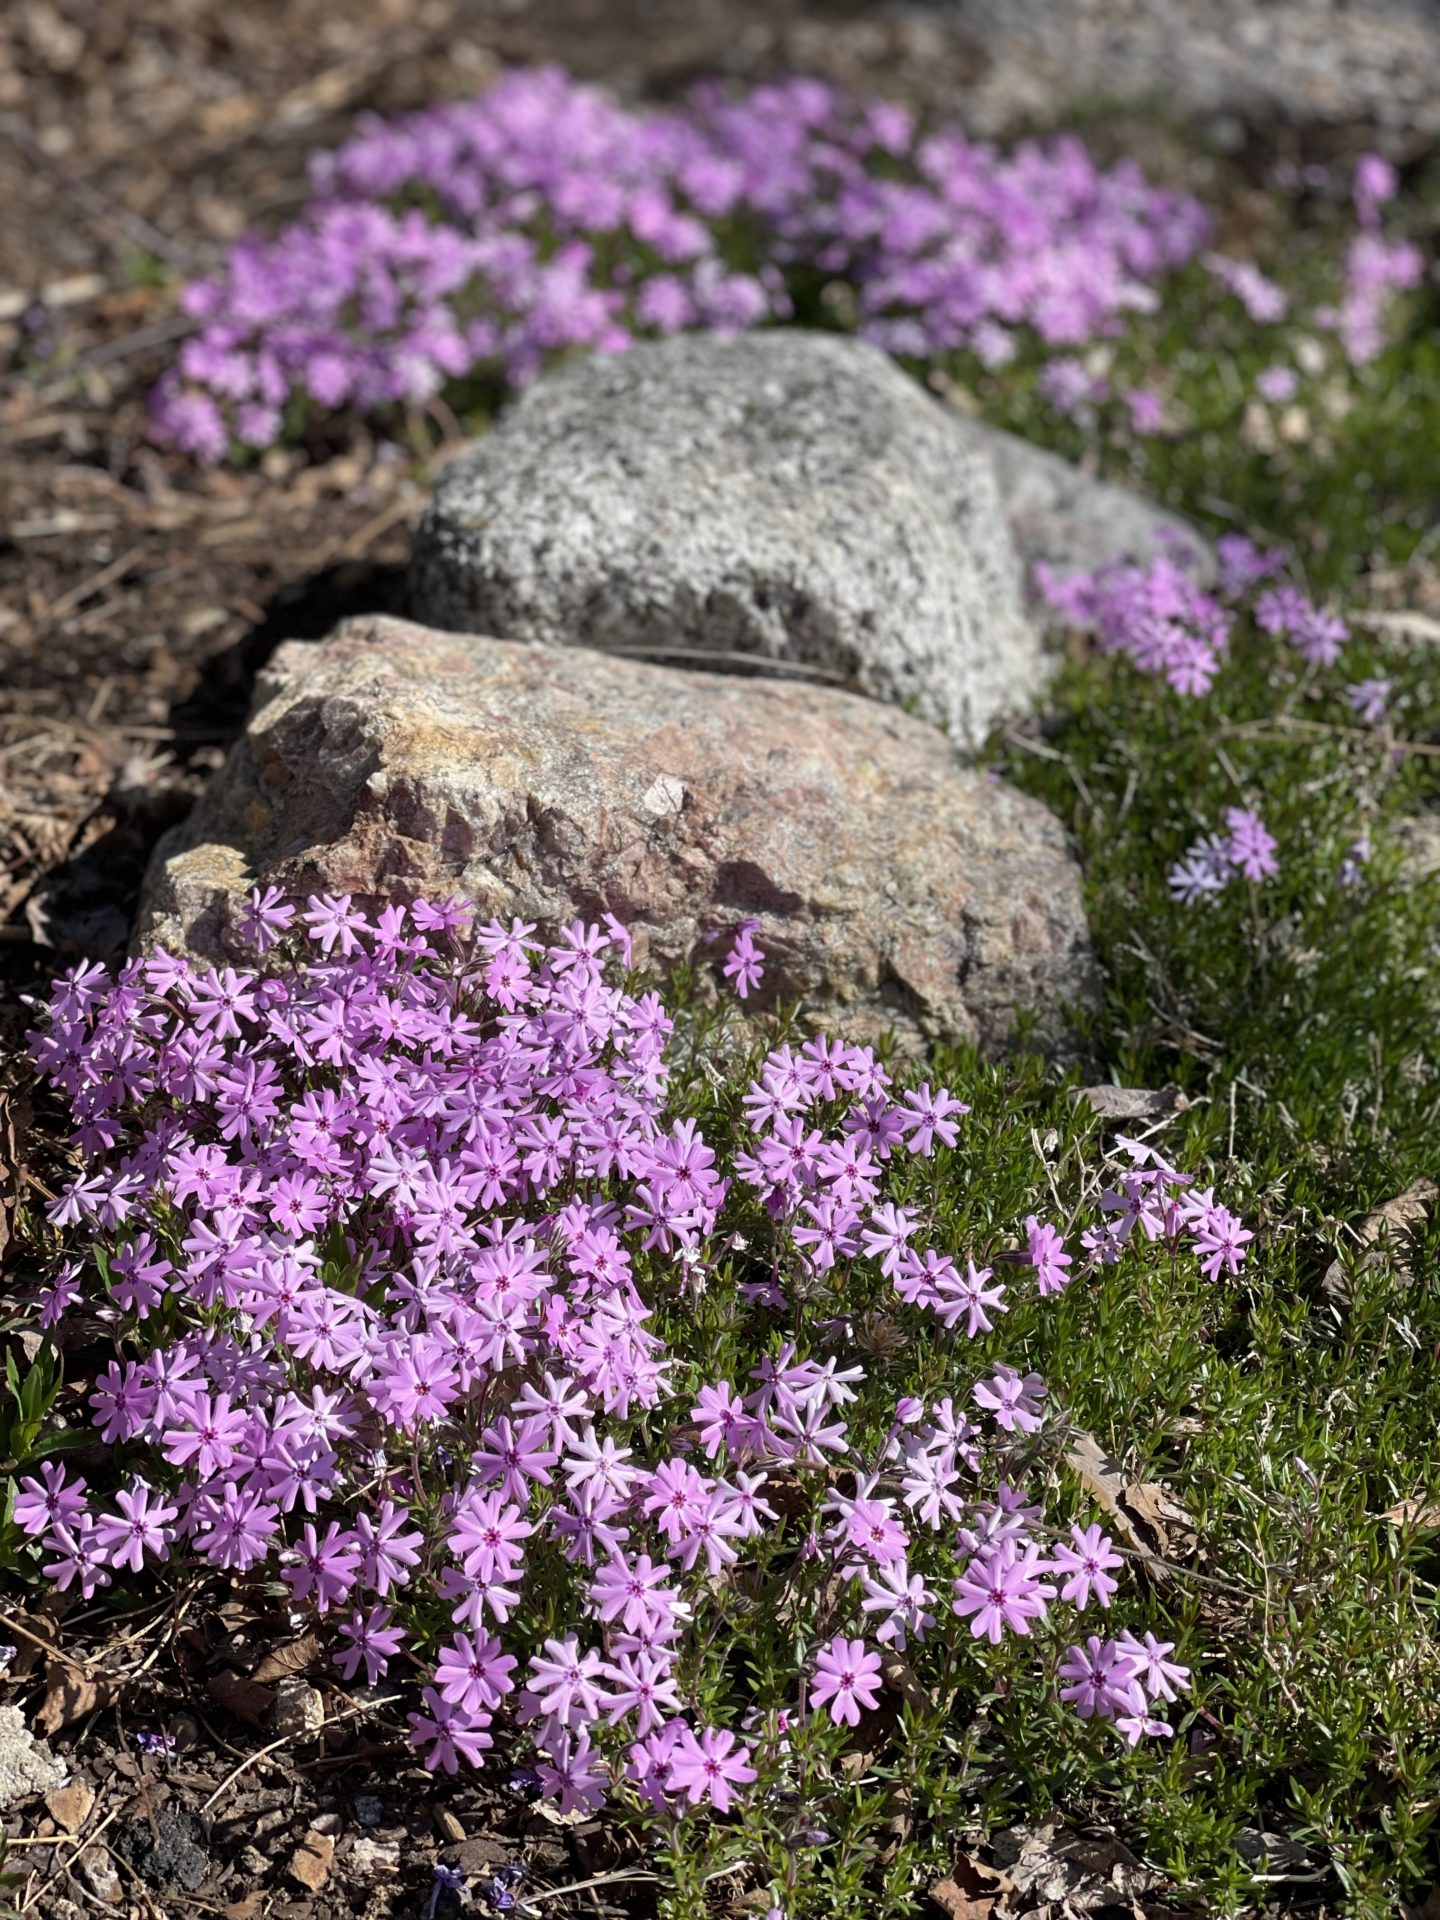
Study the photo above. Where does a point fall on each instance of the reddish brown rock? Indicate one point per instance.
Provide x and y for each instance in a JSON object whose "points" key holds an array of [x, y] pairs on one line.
{"points": [[892, 887]]}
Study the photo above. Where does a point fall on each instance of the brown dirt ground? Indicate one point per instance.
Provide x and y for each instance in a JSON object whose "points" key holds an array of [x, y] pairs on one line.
{"points": [[137, 598]]}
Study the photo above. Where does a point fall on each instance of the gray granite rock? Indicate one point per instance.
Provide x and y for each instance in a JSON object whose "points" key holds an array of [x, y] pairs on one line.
{"points": [[892, 887], [788, 495], [1062, 517], [27, 1766]]}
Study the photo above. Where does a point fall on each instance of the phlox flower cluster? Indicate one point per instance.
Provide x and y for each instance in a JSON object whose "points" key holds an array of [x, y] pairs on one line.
{"points": [[396, 1241], [1246, 848], [1157, 615], [1160, 617], [1376, 265], [482, 237]]}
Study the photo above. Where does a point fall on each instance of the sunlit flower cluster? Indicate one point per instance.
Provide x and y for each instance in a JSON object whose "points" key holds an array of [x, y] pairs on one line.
{"points": [[397, 1244]]}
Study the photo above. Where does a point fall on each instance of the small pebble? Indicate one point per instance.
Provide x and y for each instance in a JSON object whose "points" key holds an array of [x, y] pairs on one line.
{"points": [[310, 1863]]}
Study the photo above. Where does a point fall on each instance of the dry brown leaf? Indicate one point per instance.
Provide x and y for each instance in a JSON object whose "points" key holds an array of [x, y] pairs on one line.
{"points": [[1144, 1513], [1388, 1222], [1413, 1513], [246, 1699], [1080, 1872], [1131, 1103], [297, 1656], [71, 1694], [971, 1891], [899, 1676]]}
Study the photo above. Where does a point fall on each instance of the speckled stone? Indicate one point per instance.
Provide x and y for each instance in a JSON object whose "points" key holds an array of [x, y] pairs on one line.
{"points": [[1061, 517], [27, 1766], [893, 887], [788, 495]]}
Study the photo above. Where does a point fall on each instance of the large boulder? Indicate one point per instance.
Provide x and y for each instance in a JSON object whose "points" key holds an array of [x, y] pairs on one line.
{"points": [[892, 887], [789, 495]]}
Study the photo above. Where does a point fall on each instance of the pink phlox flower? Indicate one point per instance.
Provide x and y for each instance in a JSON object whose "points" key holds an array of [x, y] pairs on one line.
{"points": [[847, 1678], [710, 1765], [1220, 1240], [649, 1762], [1013, 1399], [928, 1117], [1205, 869], [967, 1298], [80, 1556], [206, 1434], [143, 1525], [449, 1732], [1368, 699], [1001, 1589], [745, 963], [1085, 1567], [474, 1674], [332, 921], [575, 1774], [1103, 1680], [1047, 1255], [373, 1644], [867, 1524], [632, 1591], [563, 1683], [903, 1601], [265, 918], [326, 1566], [219, 1000], [887, 1237], [52, 1497], [1162, 1678], [644, 1685], [592, 1464]]}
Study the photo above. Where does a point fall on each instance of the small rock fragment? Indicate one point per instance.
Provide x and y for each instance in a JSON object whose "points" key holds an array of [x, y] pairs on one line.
{"points": [[374, 1856], [299, 1710], [369, 1809], [310, 1863], [71, 1805], [171, 1852], [1131, 1103], [97, 1870]]}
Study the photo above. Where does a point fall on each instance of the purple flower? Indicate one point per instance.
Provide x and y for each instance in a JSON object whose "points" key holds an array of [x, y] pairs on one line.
{"points": [[745, 961], [406, 1334], [449, 1733], [847, 1678], [1001, 1589], [1277, 384], [709, 1766], [1047, 1255], [1251, 847], [1086, 1567], [373, 1643], [1369, 699], [1103, 1680], [1013, 1398], [143, 1525]]}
